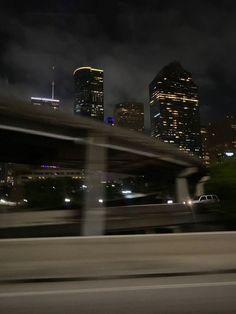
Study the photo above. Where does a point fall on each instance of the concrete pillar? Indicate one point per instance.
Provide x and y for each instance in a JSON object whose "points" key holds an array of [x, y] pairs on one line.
{"points": [[93, 211], [182, 192], [200, 185]]}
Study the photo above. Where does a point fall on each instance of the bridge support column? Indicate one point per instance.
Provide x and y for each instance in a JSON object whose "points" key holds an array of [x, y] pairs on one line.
{"points": [[182, 191], [93, 211], [200, 185]]}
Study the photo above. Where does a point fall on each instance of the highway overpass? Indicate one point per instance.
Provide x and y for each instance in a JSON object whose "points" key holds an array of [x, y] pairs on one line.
{"points": [[35, 135]]}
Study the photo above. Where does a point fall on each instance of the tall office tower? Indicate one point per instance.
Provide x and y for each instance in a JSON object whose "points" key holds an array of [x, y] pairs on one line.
{"points": [[174, 109], [130, 115], [45, 102], [205, 145], [89, 95]]}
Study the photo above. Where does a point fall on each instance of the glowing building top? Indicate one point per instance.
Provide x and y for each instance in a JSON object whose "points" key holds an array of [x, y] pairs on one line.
{"points": [[47, 102]]}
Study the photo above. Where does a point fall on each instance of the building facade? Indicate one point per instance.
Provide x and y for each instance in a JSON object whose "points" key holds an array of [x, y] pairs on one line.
{"points": [[89, 94], [174, 108], [130, 115]]}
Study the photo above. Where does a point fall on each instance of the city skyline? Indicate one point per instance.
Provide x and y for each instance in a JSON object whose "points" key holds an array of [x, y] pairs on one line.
{"points": [[131, 43]]}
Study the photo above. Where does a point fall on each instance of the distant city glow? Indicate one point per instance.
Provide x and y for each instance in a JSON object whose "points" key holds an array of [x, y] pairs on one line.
{"points": [[126, 192], [229, 154], [4, 202], [134, 195]]}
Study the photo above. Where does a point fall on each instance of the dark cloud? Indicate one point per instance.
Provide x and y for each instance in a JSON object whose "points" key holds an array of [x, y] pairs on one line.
{"points": [[130, 40]]}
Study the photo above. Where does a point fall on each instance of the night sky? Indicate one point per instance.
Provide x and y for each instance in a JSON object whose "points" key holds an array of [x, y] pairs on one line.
{"points": [[130, 40]]}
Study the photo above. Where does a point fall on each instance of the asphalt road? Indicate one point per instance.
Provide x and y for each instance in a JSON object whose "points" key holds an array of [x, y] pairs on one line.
{"points": [[190, 294]]}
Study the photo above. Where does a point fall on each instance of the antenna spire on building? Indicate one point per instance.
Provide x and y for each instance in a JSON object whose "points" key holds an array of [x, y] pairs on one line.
{"points": [[53, 82]]}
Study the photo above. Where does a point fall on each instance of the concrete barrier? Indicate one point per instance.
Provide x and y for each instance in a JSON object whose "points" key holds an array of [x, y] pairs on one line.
{"points": [[161, 211], [120, 217], [116, 255], [28, 218]]}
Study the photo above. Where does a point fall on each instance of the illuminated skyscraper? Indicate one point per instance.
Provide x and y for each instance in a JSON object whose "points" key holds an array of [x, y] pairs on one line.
{"points": [[89, 92], [174, 109], [205, 145], [130, 115]]}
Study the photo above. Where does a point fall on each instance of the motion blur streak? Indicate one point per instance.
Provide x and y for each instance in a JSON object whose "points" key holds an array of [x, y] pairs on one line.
{"points": [[117, 289]]}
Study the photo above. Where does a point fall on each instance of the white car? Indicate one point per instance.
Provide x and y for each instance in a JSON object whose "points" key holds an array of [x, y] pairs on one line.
{"points": [[209, 198]]}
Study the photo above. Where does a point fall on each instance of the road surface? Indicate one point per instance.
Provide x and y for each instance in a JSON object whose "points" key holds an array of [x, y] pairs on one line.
{"points": [[183, 294]]}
